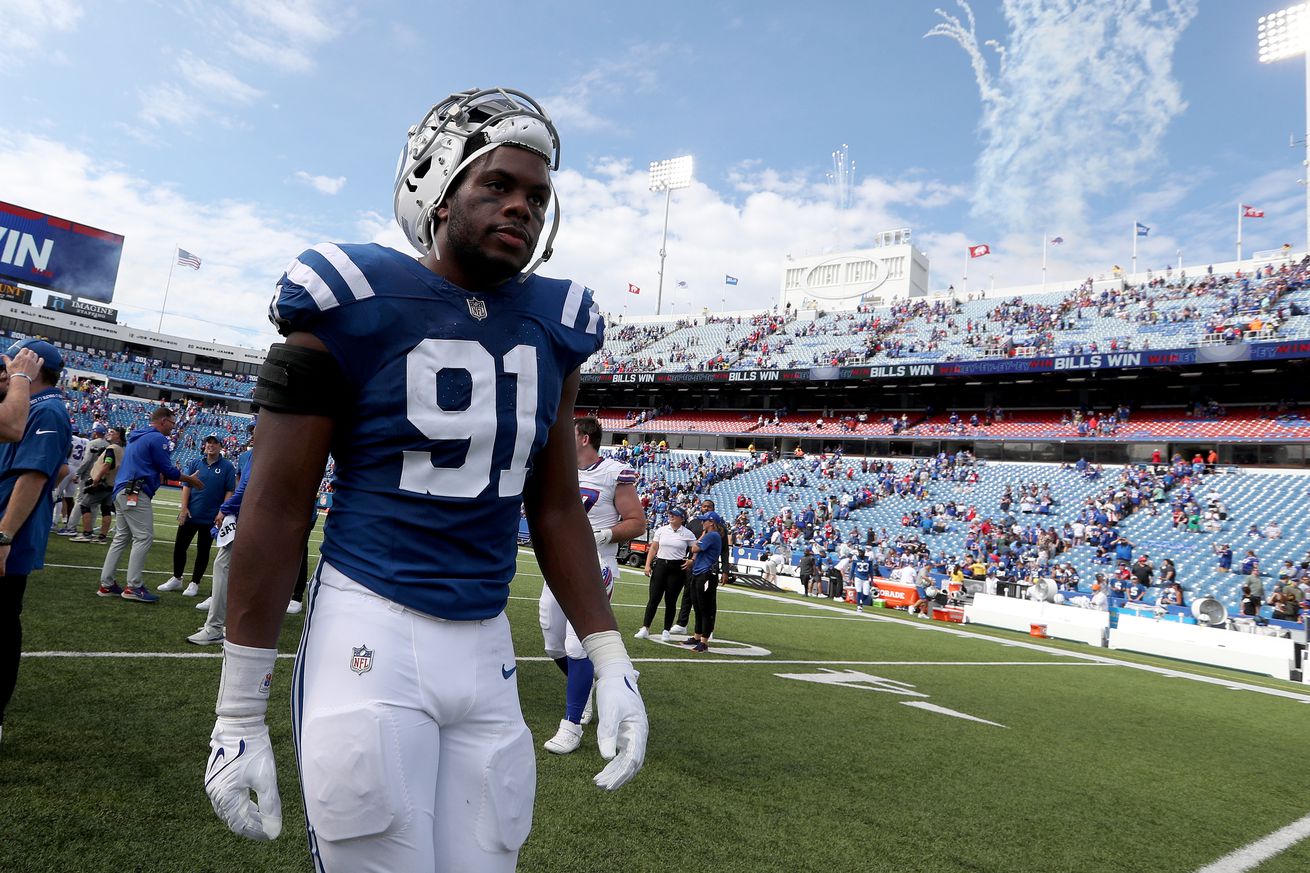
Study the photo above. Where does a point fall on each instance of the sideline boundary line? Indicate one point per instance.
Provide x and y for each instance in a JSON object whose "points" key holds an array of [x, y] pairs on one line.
{"points": [[937, 627], [1254, 854]]}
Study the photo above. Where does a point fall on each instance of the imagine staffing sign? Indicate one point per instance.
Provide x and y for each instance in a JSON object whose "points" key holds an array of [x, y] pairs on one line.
{"points": [[58, 254]]}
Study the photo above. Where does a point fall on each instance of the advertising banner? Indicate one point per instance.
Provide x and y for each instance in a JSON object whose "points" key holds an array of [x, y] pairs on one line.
{"points": [[58, 254]]}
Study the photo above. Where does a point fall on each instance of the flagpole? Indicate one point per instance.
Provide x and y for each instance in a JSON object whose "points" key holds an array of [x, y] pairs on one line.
{"points": [[1045, 242], [1239, 236], [966, 271], [173, 263], [1134, 247]]}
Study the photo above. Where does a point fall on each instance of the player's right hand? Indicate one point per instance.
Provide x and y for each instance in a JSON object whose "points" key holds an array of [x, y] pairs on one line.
{"points": [[241, 761]]}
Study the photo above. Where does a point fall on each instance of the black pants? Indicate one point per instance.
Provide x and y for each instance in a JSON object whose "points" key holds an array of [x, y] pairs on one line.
{"points": [[705, 595], [666, 580], [11, 636], [684, 608], [186, 532]]}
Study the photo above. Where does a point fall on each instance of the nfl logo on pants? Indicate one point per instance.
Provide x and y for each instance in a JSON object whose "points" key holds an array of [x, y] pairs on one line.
{"points": [[361, 659]]}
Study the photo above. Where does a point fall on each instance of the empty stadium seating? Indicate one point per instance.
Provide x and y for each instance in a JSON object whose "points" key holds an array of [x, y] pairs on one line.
{"points": [[1251, 498]]}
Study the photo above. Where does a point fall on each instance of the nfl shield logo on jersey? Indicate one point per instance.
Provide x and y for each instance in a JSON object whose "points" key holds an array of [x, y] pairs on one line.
{"points": [[477, 308], [361, 659]]}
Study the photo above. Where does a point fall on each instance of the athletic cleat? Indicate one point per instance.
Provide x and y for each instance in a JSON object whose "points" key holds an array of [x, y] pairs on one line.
{"points": [[677, 629], [204, 604], [690, 641], [111, 590], [172, 584], [102, 539], [192, 589], [139, 594], [700, 647], [666, 637], [82, 538], [205, 637], [642, 634], [294, 607], [566, 740]]}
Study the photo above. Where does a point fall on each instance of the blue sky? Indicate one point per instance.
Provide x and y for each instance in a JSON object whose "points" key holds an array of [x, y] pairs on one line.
{"points": [[246, 131]]}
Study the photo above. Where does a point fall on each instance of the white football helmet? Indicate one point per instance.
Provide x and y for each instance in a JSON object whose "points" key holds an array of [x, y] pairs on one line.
{"points": [[453, 134]]}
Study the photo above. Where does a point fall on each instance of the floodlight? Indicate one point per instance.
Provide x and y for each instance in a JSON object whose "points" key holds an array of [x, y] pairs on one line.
{"points": [[1286, 34], [666, 176], [670, 174]]}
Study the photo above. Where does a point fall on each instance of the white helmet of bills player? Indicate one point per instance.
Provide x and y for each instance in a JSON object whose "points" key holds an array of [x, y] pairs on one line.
{"points": [[453, 134]]}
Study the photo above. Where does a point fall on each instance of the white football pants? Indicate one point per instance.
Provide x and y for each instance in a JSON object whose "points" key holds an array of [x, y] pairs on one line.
{"points": [[412, 748], [558, 636]]}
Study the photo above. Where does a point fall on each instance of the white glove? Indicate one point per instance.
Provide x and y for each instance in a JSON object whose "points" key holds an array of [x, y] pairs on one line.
{"points": [[622, 726], [603, 536], [241, 761], [241, 755]]}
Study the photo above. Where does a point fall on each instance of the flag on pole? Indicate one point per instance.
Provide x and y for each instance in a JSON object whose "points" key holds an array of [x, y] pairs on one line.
{"points": [[1252, 212], [1142, 230], [1057, 241], [186, 259], [633, 289], [729, 280], [979, 250]]}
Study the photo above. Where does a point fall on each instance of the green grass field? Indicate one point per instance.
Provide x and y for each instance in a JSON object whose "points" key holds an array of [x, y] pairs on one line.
{"points": [[1086, 765]]}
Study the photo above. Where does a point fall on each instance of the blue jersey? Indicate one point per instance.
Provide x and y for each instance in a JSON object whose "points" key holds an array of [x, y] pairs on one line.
{"points": [[220, 479], [43, 449], [454, 393], [862, 569]]}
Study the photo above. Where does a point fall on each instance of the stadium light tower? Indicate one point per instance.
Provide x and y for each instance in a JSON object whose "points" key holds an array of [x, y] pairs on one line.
{"points": [[1286, 34], [667, 176]]}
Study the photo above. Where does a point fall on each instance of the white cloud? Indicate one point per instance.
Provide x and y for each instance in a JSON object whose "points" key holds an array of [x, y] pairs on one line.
{"points": [[28, 24], [574, 105], [322, 184], [1076, 105], [166, 103], [282, 35], [215, 82], [245, 247]]}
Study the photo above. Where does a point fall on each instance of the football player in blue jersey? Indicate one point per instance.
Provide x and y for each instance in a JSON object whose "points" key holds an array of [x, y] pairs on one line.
{"points": [[444, 390]]}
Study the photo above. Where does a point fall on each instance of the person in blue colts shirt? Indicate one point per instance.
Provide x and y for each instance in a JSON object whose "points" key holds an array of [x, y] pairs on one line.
{"points": [[35, 436], [145, 461], [443, 388], [198, 513]]}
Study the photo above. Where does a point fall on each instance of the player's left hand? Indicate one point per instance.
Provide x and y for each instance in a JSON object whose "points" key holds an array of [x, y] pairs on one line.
{"points": [[603, 536], [241, 761]]}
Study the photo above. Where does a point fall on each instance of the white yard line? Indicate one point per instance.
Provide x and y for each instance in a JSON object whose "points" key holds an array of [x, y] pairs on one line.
{"points": [[214, 655], [1254, 854]]}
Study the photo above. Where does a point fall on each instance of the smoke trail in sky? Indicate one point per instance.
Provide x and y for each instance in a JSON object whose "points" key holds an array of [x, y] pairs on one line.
{"points": [[1074, 107]]}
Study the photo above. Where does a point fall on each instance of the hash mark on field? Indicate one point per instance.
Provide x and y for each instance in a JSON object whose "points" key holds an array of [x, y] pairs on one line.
{"points": [[1254, 854]]}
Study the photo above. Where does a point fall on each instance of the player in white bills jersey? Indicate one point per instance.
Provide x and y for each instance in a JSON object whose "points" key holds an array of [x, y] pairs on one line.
{"points": [[65, 493], [443, 388], [609, 494]]}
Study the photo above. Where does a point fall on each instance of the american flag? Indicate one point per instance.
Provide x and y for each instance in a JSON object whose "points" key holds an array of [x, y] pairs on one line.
{"points": [[1057, 241], [186, 259]]}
